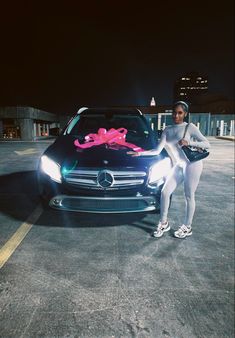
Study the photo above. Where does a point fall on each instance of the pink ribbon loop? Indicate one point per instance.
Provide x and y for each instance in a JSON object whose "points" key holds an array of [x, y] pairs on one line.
{"points": [[111, 137]]}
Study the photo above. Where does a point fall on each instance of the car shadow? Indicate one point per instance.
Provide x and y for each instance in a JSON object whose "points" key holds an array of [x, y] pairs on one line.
{"points": [[72, 219], [19, 196]]}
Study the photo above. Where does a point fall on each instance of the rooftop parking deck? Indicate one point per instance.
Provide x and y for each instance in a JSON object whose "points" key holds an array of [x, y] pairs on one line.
{"points": [[87, 275]]}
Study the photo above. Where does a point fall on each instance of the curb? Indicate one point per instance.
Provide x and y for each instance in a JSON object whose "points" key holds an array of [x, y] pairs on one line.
{"points": [[228, 138]]}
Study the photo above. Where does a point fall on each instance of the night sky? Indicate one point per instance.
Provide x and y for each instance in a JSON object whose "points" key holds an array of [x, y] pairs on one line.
{"points": [[68, 54]]}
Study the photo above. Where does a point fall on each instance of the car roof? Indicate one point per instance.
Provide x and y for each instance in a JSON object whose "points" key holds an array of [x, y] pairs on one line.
{"points": [[126, 111]]}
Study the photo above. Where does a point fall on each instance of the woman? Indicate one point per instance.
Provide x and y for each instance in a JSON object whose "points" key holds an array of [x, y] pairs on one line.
{"points": [[182, 171]]}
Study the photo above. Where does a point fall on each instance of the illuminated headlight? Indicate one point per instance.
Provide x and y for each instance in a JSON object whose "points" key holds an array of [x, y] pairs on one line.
{"points": [[159, 170], [51, 168]]}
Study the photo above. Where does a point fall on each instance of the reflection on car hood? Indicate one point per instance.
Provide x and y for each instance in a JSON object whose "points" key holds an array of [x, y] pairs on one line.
{"points": [[64, 152]]}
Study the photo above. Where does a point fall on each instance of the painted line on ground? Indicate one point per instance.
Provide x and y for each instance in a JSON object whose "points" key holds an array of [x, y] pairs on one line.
{"points": [[28, 151], [11, 245]]}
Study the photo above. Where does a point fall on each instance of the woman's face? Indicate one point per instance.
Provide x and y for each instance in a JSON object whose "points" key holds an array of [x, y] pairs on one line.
{"points": [[178, 114]]}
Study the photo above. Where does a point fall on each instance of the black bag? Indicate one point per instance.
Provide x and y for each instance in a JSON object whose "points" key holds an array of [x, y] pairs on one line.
{"points": [[193, 154]]}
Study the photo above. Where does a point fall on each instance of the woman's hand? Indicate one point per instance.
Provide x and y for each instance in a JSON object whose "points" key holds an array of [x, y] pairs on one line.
{"points": [[183, 142], [133, 153]]}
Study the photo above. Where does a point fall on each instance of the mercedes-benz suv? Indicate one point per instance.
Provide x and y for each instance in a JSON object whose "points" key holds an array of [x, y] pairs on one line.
{"points": [[88, 168]]}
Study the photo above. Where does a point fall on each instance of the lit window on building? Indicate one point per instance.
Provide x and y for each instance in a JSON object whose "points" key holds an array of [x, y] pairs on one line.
{"points": [[199, 78], [10, 129]]}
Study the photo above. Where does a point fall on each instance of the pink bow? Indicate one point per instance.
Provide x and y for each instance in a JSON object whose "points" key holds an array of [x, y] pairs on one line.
{"points": [[112, 136]]}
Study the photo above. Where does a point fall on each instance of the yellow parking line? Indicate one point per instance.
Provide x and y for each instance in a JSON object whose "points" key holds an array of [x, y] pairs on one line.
{"points": [[11, 245]]}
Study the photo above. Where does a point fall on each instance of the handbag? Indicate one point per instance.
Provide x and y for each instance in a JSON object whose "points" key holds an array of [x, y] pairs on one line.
{"points": [[193, 154]]}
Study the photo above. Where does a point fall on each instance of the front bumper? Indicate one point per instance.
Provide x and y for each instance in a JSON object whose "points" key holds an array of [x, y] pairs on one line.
{"points": [[105, 204]]}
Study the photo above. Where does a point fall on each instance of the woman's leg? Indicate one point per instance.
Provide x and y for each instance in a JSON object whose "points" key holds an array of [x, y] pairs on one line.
{"points": [[173, 179], [192, 175]]}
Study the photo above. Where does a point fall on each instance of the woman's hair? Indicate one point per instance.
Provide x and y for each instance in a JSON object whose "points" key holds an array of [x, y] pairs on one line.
{"points": [[183, 104]]}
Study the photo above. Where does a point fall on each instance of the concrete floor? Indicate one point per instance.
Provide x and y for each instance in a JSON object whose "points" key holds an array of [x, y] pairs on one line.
{"points": [[84, 275]]}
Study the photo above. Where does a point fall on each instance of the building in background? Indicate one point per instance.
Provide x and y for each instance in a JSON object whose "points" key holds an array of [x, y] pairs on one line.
{"points": [[152, 102], [212, 114], [27, 123], [189, 86]]}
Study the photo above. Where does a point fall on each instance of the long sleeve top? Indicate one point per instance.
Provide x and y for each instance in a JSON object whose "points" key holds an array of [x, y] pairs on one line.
{"points": [[171, 135]]}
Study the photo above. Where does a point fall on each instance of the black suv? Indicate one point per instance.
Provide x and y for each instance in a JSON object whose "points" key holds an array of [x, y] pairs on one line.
{"points": [[87, 172]]}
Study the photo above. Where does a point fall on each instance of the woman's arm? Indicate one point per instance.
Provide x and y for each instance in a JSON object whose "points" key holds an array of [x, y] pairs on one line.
{"points": [[201, 142], [155, 151]]}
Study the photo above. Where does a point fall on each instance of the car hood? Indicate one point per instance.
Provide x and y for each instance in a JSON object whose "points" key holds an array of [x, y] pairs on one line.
{"points": [[64, 152]]}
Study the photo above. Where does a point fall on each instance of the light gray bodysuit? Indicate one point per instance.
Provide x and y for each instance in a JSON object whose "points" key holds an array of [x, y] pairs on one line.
{"points": [[183, 170]]}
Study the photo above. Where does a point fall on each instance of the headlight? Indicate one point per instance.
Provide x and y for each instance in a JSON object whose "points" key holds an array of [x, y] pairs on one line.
{"points": [[51, 168], [159, 170]]}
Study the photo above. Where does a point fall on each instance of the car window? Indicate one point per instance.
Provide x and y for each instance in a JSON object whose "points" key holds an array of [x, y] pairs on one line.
{"points": [[138, 130]]}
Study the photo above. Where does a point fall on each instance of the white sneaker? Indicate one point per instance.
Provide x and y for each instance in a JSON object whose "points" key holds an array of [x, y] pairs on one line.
{"points": [[160, 229], [183, 231]]}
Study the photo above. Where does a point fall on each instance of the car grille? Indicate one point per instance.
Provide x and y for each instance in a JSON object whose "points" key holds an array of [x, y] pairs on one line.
{"points": [[104, 205], [120, 179]]}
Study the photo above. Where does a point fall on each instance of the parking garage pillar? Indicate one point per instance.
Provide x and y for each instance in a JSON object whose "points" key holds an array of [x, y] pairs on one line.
{"points": [[1, 129], [26, 129], [221, 128]]}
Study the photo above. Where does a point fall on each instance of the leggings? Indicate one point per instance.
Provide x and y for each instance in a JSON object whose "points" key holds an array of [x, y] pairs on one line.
{"points": [[189, 173]]}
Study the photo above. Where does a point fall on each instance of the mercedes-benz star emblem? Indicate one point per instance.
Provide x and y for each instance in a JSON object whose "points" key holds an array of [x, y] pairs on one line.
{"points": [[105, 179]]}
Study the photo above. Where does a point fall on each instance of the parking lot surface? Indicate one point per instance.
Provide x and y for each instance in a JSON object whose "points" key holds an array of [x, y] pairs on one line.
{"points": [[93, 275]]}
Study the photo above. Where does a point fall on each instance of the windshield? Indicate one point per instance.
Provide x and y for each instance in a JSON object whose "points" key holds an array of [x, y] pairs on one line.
{"points": [[138, 130]]}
